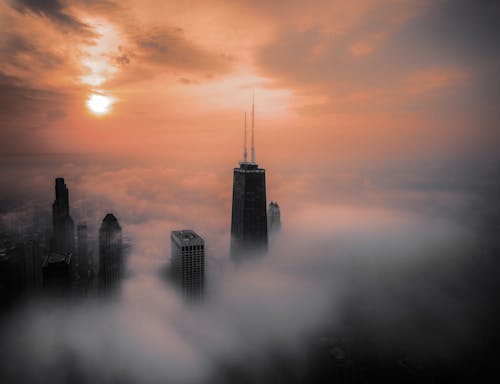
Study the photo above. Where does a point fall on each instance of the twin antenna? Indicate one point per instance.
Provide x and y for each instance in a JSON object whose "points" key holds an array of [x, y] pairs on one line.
{"points": [[245, 140]]}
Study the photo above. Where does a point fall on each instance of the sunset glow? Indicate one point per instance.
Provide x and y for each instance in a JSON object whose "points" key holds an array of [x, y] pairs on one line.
{"points": [[99, 104]]}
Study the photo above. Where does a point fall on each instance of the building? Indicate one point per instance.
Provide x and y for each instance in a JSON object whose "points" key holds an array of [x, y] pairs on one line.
{"points": [[56, 270], [273, 218], [63, 227], [33, 264], [110, 253], [83, 252], [20, 268], [12, 275], [188, 262], [249, 219]]}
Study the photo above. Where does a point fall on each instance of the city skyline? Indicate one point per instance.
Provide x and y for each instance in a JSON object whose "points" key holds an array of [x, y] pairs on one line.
{"points": [[356, 143]]}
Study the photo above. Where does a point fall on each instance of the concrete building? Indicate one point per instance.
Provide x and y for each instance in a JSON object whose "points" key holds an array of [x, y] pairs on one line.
{"points": [[63, 227], [110, 253], [57, 274], [188, 262], [83, 252], [273, 218]]}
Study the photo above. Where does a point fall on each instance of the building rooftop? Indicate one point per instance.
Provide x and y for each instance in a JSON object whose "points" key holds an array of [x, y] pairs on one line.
{"points": [[247, 165], [186, 237], [110, 221], [57, 258]]}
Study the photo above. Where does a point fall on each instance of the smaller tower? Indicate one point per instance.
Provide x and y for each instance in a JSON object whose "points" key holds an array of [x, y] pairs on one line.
{"points": [[188, 262], [110, 253], [83, 252], [273, 218], [63, 227]]}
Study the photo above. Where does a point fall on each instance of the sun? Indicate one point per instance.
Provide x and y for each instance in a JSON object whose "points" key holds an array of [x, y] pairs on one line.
{"points": [[99, 104]]}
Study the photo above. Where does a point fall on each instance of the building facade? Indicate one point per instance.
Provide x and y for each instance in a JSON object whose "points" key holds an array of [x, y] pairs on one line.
{"points": [[273, 218], [83, 252], [63, 226], [188, 262], [57, 271], [110, 253], [249, 218]]}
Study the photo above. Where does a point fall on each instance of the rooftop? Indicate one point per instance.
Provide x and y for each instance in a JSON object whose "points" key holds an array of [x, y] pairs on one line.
{"points": [[57, 258], [186, 236]]}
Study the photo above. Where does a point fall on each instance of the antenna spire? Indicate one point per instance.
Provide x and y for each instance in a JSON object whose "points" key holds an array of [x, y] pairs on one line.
{"points": [[245, 141], [253, 117]]}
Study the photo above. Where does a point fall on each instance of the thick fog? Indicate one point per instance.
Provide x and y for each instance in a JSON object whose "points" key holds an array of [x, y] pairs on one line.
{"points": [[394, 272]]}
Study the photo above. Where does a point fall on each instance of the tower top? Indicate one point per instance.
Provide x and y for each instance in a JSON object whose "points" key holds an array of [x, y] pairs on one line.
{"points": [[252, 149], [245, 141], [110, 221], [253, 118]]}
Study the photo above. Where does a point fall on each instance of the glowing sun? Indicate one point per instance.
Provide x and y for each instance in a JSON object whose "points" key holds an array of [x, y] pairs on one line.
{"points": [[99, 104]]}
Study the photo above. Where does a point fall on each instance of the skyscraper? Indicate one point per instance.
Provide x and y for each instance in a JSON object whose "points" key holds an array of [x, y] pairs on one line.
{"points": [[83, 252], [63, 227], [188, 262], [56, 269], [273, 218], [110, 252], [33, 263], [248, 219]]}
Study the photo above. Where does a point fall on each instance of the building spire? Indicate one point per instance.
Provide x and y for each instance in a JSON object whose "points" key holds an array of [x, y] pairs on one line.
{"points": [[245, 141], [253, 117]]}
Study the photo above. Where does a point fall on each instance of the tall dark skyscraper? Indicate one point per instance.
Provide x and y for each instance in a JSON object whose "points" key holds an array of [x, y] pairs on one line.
{"points": [[63, 227], [188, 262], [248, 219], [273, 218], [110, 253]]}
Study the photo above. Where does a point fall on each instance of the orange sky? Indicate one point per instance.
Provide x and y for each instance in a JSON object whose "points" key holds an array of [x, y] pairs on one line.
{"points": [[334, 81]]}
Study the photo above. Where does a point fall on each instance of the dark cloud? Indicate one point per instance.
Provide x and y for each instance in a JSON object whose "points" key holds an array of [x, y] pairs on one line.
{"points": [[16, 98], [22, 51], [54, 10], [170, 49], [20, 130]]}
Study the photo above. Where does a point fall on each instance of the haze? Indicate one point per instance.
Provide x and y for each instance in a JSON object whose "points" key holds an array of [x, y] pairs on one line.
{"points": [[377, 124]]}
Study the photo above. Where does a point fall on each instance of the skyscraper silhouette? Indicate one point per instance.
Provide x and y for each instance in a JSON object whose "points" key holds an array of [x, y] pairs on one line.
{"points": [[110, 253], [188, 262], [83, 251], [63, 227], [56, 269], [248, 219], [273, 218]]}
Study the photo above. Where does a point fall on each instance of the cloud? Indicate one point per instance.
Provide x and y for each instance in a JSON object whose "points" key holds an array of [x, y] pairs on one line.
{"points": [[377, 54], [55, 11], [386, 264]]}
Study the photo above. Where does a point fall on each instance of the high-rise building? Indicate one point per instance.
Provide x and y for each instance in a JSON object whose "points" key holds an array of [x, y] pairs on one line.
{"points": [[248, 219], [110, 252], [273, 218], [20, 268], [12, 273], [83, 251], [188, 262], [57, 274], [33, 263], [63, 227]]}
